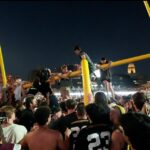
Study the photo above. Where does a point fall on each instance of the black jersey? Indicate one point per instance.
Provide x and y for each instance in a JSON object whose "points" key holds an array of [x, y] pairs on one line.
{"points": [[94, 137], [33, 91], [75, 128], [63, 123]]}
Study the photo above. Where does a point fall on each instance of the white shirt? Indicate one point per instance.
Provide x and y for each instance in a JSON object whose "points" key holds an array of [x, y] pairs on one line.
{"points": [[17, 147], [17, 92], [14, 133]]}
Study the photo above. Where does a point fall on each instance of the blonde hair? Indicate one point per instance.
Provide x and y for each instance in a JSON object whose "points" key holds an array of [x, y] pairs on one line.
{"points": [[9, 110]]}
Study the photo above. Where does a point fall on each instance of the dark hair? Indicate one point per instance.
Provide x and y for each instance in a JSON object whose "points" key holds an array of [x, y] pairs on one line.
{"points": [[103, 58], [64, 67], [137, 127], [55, 109], [126, 98], [77, 48], [71, 104], [28, 101], [63, 107], [139, 99], [81, 109], [42, 115], [44, 75], [44, 103], [101, 101], [96, 114], [100, 97]]}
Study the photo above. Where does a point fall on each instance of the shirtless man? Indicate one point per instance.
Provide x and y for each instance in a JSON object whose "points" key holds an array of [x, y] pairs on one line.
{"points": [[43, 138]]}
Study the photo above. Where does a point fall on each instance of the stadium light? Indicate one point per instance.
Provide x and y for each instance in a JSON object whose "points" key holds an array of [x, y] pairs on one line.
{"points": [[122, 93]]}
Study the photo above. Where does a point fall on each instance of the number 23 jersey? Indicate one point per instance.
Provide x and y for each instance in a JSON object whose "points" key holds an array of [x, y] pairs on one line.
{"points": [[75, 128], [94, 137]]}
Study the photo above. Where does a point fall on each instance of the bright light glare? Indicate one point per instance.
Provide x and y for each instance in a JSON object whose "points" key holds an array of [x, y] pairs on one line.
{"points": [[72, 93], [118, 93], [97, 73], [126, 92]]}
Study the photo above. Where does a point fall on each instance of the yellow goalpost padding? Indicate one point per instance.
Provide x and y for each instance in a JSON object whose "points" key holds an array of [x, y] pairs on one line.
{"points": [[2, 66]]}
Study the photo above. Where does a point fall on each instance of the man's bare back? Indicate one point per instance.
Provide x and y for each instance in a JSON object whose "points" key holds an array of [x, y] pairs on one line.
{"points": [[43, 138]]}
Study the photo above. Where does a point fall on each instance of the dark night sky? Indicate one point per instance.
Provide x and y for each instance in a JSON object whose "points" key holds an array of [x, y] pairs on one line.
{"points": [[38, 33]]}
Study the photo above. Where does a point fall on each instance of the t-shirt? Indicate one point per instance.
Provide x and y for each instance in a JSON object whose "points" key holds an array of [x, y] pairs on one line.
{"points": [[45, 88], [94, 137], [64, 122], [65, 82], [27, 119], [33, 91], [53, 102], [90, 62], [17, 92], [14, 133], [75, 128], [105, 74]]}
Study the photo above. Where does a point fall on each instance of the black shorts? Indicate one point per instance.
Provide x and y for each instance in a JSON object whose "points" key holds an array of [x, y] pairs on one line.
{"points": [[109, 80]]}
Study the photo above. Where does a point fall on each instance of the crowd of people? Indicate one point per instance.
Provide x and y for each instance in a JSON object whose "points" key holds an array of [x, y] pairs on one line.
{"points": [[41, 122], [36, 119]]}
